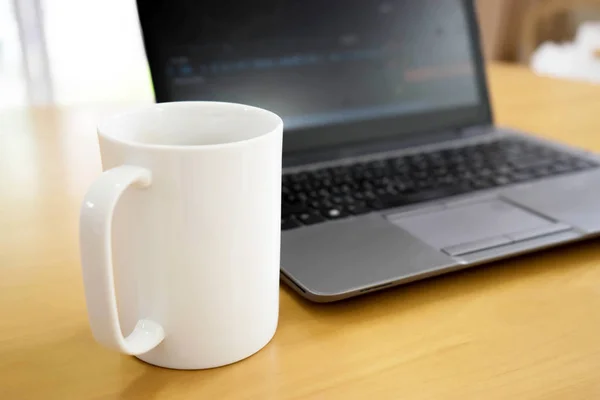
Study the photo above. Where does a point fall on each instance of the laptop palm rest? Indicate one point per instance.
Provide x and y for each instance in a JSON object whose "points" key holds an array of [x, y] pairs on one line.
{"points": [[469, 228]]}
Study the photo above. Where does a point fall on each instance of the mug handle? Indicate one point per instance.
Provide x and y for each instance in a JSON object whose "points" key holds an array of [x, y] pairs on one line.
{"points": [[96, 260]]}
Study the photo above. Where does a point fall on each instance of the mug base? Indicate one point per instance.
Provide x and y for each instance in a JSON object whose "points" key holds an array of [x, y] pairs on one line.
{"points": [[173, 364]]}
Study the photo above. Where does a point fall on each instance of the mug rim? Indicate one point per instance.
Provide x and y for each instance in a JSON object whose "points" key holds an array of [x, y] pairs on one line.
{"points": [[102, 126]]}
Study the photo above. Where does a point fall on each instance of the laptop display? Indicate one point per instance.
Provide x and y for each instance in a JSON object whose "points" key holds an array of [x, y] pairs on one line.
{"points": [[383, 66]]}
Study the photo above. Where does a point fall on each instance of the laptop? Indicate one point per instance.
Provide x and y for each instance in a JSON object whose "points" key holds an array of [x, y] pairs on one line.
{"points": [[393, 168]]}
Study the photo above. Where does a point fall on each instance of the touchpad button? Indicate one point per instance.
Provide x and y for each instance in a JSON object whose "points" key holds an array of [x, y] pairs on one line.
{"points": [[469, 223]]}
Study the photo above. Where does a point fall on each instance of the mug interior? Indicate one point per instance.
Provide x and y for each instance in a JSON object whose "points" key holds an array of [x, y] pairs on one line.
{"points": [[190, 124]]}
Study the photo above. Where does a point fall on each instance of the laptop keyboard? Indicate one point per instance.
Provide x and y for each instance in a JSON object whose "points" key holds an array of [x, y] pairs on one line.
{"points": [[334, 193]]}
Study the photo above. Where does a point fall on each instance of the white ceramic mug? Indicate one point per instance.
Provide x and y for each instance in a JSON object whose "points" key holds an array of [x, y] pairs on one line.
{"points": [[188, 211]]}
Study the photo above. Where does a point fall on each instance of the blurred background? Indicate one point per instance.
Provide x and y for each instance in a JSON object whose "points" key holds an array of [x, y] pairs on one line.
{"points": [[93, 52]]}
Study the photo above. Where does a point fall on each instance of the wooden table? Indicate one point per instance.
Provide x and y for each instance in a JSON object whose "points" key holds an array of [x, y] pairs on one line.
{"points": [[527, 328]]}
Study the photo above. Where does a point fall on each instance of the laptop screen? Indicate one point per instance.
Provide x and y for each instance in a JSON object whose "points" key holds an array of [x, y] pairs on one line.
{"points": [[334, 70]]}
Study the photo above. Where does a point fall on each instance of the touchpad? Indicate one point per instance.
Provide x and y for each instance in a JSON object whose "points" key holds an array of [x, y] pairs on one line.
{"points": [[492, 221]]}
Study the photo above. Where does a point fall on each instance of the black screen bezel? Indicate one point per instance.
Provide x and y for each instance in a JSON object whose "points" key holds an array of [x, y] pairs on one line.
{"points": [[352, 134]]}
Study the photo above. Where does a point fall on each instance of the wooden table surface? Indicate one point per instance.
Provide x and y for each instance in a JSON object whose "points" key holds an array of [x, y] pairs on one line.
{"points": [[528, 328]]}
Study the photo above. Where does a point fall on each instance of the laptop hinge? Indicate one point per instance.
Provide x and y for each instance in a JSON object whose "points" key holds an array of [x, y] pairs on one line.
{"points": [[476, 130]]}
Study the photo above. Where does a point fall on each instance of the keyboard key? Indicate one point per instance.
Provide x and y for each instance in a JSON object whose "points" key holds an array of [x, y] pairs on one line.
{"points": [[310, 218], [381, 191], [302, 197], [346, 188], [335, 213], [358, 208], [290, 198], [348, 199], [369, 195], [289, 223], [376, 205], [478, 183], [501, 180], [337, 200], [320, 204], [516, 177], [289, 209], [335, 191]]}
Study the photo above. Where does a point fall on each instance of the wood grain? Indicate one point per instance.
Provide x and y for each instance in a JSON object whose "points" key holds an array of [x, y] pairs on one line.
{"points": [[528, 328]]}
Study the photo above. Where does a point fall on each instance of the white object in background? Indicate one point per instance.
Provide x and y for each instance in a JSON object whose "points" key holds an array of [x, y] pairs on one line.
{"points": [[188, 210], [577, 60], [588, 36]]}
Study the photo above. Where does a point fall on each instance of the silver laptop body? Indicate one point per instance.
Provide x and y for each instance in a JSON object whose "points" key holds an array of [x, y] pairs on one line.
{"points": [[364, 253]]}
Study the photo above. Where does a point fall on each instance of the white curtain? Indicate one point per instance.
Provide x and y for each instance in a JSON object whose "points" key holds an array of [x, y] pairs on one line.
{"points": [[69, 52], [12, 78]]}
